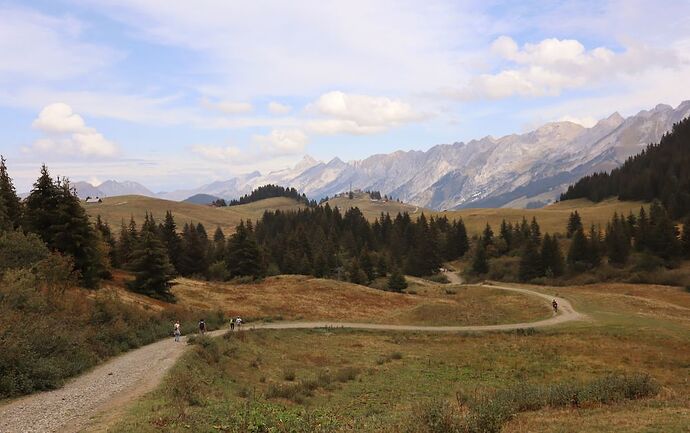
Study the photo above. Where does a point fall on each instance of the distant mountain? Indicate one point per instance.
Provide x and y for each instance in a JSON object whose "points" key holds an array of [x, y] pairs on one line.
{"points": [[201, 199], [111, 188], [512, 171]]}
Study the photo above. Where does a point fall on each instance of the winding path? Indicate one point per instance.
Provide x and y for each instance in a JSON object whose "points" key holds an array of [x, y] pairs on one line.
{"points": [[94, 400]]}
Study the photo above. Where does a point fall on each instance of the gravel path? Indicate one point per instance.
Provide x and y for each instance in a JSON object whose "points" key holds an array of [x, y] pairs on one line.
{"points": [[92, 400]]}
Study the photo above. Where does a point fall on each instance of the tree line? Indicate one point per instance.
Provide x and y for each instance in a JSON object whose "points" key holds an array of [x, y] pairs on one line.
{"points": [[661, 172], [270, 191]]}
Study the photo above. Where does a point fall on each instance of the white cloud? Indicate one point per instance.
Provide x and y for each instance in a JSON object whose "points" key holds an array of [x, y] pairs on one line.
{"points": [[216, 153], [228, 107], [282, 141], [278, 108], [553, 65], [42, 47], [359, 114], [66, 133]]}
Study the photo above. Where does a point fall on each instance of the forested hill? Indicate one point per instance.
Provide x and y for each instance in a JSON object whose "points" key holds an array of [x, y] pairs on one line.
{"points": [[270, 191], [660, 172]]}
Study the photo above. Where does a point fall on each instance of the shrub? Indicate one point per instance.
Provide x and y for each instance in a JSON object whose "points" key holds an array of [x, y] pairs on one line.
{"points": [[438, 278], [289, 374], [346, 374]]}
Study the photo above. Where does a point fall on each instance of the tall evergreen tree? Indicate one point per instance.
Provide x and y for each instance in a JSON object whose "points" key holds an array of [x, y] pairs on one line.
{"points": [[617, 240], [551, 256], [594, 249], [530, 261], [171, 239], [107, 237], [151, 267], [480, 262], [218, 248], [397, 282], [243, 256], [574, 223], [193, 257], [125, 245], [685, 238], [11, 203], [487, 236], [41, 208], [579, 249]]}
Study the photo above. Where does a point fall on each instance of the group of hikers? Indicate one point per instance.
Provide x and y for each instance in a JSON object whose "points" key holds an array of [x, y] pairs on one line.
{"points": [[177, 332]]}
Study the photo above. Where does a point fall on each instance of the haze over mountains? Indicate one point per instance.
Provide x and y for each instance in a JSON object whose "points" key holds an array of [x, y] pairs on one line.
{"points": [[516, 170]]}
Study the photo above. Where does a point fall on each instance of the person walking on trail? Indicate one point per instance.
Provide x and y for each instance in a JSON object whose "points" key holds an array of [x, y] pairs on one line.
{"points": [[176, 331], [238, 322], [554, 304], [202, 327], [232, 324]]}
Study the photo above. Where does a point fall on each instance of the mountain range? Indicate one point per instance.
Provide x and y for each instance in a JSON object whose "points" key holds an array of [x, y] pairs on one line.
{"points": [[517, 170], [111, 188]]}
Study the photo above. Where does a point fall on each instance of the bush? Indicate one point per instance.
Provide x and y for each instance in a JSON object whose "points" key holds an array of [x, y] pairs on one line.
{"points": [[346, 374], [218, 271], [438, 278], [289, 374], [18, 250]]}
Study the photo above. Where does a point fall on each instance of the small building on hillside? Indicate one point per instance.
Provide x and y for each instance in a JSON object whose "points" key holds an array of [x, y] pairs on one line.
{"points": [[93, 200]]}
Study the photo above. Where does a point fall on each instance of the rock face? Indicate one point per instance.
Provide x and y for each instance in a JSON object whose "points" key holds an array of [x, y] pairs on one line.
{"points": [[111, 188], [517, 170]]}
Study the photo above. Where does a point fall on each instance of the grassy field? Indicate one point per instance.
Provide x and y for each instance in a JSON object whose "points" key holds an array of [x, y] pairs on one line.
{"points": [[340, 380], [295, 297], [552, 218], [116, 209]]}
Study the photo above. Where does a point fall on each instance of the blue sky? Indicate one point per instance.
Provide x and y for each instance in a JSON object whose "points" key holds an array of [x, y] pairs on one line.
{"points": [[177, 93]]}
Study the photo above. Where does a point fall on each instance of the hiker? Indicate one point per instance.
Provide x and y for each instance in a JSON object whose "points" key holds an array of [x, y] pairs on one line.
{"points": [[238, 321], [232, 324], [202, 326], [176, 330], [554, 304]]}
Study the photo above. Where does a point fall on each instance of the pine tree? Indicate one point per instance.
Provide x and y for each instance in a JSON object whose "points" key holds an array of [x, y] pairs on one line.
{"points": [[487, 236], [193, 259], [579, 249], [617, 241], [152, 268], [41, 208], [397, 281], [574, 224], [685, 238], [107, 237], [535, 232], [12, 204], [5, 223], [367, 264], [506, 234], [218, 248], [243, 256], [551, 256], [530, 261], [594, 248], [480, 262], [171, 239], [642, 231], [125, 245]]}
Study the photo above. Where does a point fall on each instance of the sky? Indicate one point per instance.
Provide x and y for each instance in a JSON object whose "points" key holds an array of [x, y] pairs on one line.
{"points": [[176, 94]]}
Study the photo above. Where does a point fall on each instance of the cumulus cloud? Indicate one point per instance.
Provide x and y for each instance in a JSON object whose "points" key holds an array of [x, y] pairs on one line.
{"points": [[359, 114], [278, 108], [66, 132], [217, 153], [228, 107], [282, 141], [554, 65]]}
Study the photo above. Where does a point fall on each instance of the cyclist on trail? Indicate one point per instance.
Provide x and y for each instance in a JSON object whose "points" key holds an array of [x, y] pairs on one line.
{"points": [[202, 327], [554, 304]]}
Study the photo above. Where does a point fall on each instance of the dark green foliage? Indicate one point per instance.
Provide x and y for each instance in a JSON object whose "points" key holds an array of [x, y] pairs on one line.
{"points": [[551, 257], [618, 240], [660, 172], [574, 223], [9, 201], [193, 258], [54, 212], [150, 265], [579, 249], [243, 256], [106, 236], [397, 282], [530, 261], [480, 261], [19, 250], [685, 238], [167, 232], [269, 191], [487, 236]]}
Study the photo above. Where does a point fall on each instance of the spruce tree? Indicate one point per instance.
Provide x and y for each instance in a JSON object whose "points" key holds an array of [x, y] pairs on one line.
{"points": [[41, 208], [243, 256], [530, 261], [11, 203], [594, 248], [579, 249], [397, 281], [617, 241], [218, 246], [171, 239], [487, 236], [480, 262], [151, 267], [574, 223], [551, 256], [5, 223], [193, 257], [506, 234], [107, 237]]}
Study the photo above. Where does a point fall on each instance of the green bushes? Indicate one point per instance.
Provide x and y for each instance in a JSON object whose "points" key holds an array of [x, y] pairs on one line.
{"points": [[487, 413], [49, 332]]}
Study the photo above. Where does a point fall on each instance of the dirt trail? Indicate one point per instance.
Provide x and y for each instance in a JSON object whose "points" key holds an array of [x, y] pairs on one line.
{"points": [[92, 401]]}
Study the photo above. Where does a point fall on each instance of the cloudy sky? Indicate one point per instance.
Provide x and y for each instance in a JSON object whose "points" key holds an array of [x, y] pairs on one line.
{"points": [[179, 93]]}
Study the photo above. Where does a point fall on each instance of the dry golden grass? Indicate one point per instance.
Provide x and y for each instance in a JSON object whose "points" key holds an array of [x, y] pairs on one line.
{"points": [[551, 218], [116, 209], [294, 297]]}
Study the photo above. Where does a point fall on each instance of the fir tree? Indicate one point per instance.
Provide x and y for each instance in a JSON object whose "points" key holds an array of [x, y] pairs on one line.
{"points": [[167, 232], [107, 237], [574, 224], [125, 245], [551, 256], [5, 223], [152, 268], [11, 203], [193, 255], [617, 240], [506, 234], [480, 262], [397, 281], [487, 236], [579, 248], [530, 261], [594, 248], [218, 248], [243, 257], [41, 208]]}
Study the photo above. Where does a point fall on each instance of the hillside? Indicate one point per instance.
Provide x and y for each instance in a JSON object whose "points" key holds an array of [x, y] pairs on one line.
{"points": [[372, 208], [116, 209], [202, 199], [661, 172]]}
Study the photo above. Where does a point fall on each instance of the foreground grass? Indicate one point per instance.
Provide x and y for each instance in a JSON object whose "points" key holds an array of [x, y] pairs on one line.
{"points": [[626, 374]]}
